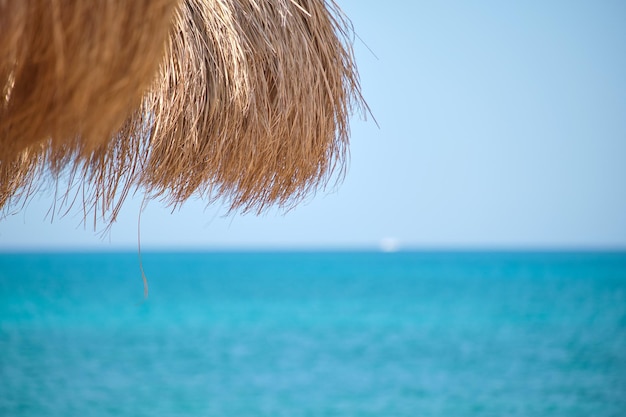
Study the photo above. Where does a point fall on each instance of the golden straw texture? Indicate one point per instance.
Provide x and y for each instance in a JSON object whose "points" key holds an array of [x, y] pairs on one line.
{"points": [[250, 105], [71, 68]]}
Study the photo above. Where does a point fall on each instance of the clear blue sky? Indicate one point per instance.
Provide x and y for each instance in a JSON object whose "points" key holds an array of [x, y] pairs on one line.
{"points": [[502, 125]]}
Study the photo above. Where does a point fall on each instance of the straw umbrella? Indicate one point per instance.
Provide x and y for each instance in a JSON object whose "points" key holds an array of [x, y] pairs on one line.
{"points": [[248, 102]]}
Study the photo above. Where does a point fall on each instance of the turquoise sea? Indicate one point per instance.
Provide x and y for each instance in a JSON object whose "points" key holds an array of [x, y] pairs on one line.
{"points": [[313, 334]]}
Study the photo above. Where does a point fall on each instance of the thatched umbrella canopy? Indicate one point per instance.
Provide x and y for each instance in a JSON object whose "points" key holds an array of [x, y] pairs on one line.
{"points": [[242, 100]]}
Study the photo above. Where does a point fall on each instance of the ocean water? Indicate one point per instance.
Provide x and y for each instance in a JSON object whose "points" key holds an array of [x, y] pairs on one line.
{"points": [[313, 334]]}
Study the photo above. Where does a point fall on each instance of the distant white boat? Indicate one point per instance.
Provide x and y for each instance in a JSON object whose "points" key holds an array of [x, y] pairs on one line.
{"points": [[389, 244]]}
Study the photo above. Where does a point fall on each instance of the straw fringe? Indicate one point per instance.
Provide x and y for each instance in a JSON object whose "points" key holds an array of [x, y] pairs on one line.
{"points": [[250, 105]]}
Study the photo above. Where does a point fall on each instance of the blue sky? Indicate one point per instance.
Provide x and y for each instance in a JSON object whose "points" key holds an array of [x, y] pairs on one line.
{"points": [[502, 125]]}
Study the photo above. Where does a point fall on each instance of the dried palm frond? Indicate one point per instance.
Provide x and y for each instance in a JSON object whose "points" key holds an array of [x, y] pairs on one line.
{"points": [[251, 104]]}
